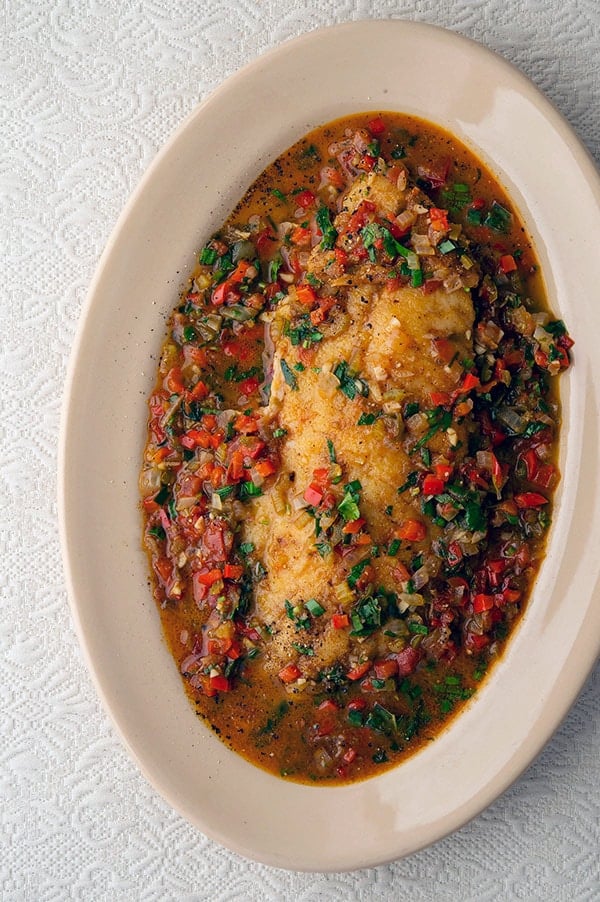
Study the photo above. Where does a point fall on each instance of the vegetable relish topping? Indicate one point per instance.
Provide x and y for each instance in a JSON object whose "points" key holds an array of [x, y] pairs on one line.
{"points": [[350, 462]]}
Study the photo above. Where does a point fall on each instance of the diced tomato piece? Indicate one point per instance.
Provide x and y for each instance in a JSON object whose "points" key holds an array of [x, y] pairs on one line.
{"points": [[235, 651], [328, 705], [385, 669], [218, 646], [532, 462], [401, 573], [239, 273], [443, 471], [482, 602], [507, 263], [210, 577], [245, 424], [217, 476], [213, 541], [363, 539], [359, 671], [265, 467], [264, 242], [333, 176], [431, 285], [150, 505], [174, 381], [411, 531], [545, 476], [196, 438], [325, 728], [341, 257], [367, 162], [349, 756], [475, 642], [376, 126], [249, 386], [497, 565], [290, 673], [357, 704], [530, 499], [340, 621], [199, 391], [440, 398], [469, 382], [252, 446], [407, 660], [236, 466], [301, 237], [220, 683], [306, 295], [354, 526], [438, 218], [433, 485], [233, 571], [220, 293], [164, 568], [196, 355], [313, 495], [305, 199]]}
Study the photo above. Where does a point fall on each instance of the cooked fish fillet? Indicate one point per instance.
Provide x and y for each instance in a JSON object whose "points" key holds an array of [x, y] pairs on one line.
{"points": [[387, 336]]}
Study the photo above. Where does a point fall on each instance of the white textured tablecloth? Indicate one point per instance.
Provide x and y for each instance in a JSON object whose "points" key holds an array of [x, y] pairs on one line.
{"points": [[90, 91]]}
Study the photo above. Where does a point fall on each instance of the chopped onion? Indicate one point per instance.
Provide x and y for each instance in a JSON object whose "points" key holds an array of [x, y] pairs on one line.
{"points": [[406, 219], [422, 246], [150, 481], [512, 419], [421, 577], [485, 460]]}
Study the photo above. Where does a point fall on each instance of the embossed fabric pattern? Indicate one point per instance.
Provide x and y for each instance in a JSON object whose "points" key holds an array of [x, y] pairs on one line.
{"points": [[90, 91]]}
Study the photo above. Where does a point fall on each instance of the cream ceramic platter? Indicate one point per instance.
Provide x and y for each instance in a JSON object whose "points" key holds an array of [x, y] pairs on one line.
{"points": [[186, 194]]}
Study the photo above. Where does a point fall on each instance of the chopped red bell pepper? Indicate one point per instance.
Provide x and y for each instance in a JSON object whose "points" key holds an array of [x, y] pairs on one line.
{"points": [[313, 495], [305, 199], [354, 526], [340, 621], [507, 263], [289, 673], [433, 485], [376, 126], [174, 381], [209, 578], [482, 602], [386, 668], [220, 683], [411, 531], [233, 571], [530, 499], [359, 671], [306, 295], [245, 424], [438, 218], [265, 467]]}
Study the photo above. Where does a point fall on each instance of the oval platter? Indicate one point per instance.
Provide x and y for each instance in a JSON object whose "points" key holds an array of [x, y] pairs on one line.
{"points": [[186, 194]]}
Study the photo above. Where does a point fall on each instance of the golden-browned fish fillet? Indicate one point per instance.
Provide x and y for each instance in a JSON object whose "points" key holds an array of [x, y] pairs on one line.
{"points": [[389, 337]]}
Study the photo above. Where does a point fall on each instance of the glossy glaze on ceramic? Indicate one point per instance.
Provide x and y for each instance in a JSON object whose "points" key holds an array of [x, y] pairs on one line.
{"points": [[187, 193]]}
